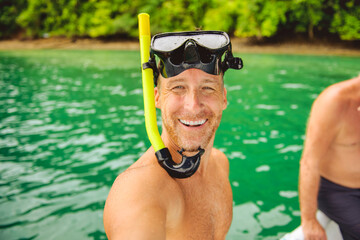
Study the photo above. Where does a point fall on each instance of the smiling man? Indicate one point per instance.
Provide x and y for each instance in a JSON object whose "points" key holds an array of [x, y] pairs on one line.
{"points": [[146, 201]]}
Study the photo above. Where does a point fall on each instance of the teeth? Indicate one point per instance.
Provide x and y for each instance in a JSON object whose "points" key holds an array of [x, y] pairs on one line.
{"points": [[193, 123]]}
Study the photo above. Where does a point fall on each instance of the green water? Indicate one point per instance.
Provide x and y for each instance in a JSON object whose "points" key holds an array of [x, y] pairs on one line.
{"points": [[71, 121]]}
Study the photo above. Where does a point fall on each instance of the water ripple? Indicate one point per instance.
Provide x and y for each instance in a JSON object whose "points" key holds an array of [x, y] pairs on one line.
{"points": [[274, 217], [71, 121]]}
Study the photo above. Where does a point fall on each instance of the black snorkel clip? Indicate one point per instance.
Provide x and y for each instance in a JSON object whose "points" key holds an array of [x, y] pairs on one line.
{"points": [[152, 65], [185, 169]]}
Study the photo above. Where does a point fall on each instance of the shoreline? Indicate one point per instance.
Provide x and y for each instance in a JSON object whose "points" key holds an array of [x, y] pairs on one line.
{"points": [[238, 46]]}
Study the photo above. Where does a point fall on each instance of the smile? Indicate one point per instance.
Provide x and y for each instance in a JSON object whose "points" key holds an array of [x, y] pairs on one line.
{"points": [[193, 123]]}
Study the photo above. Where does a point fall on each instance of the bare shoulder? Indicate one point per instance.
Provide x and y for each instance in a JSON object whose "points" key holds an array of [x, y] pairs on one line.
{"points": [[334, 100], [324, 124], [221, 159], [142, 194], [331, 95], [329, 104], [341, 91], [218, 154]]}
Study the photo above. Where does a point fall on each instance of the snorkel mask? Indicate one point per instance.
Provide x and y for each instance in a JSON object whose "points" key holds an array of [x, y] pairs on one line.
{"points": [[178, 52], [202, 50]]}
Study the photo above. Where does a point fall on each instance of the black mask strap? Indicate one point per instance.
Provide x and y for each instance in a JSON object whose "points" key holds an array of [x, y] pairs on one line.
{"points": [[231, 62]]}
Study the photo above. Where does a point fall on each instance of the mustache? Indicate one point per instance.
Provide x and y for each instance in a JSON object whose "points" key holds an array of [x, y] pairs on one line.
{"points": [[191, 150], [189, 116]]}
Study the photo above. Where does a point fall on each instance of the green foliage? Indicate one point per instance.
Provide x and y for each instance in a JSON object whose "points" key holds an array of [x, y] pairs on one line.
{"points": [[197, 10], [346, 21], [242, 18], [9, 10], [221, 16], [46, 17], [260, 18], [307, 14], [170, 15]]}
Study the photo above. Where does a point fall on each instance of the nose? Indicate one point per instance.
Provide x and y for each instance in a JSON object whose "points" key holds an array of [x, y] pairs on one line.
{"points": [[193, 102]]}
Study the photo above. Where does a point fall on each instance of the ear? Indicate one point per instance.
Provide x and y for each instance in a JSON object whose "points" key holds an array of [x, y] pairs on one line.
{"points": [[157, 97], [225, 99]]}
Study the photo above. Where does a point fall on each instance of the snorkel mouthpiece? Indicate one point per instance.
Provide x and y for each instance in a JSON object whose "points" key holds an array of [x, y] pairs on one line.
{"points": [[185, 169]]}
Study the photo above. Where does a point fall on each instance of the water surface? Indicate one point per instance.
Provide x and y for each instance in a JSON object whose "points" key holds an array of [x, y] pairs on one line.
{"points": [[71, 121]]}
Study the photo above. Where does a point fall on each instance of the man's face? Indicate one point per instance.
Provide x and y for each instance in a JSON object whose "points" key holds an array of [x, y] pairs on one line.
{"points": [[191, 106]]}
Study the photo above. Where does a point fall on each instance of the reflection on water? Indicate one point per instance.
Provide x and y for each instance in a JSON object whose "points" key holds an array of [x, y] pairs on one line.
{"points": [[253, 221], [71, 121], [68, 127]]}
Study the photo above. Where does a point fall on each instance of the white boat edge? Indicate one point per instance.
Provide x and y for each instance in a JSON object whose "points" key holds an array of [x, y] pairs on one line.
{"points": [[332, 229]]}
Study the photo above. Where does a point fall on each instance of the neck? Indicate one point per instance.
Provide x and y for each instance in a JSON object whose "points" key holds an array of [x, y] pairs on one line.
{"points": [[177, 157]]}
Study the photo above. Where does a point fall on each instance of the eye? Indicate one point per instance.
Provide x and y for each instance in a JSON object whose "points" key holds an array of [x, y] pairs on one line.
{"points": [[207, 88], [178, 88]]}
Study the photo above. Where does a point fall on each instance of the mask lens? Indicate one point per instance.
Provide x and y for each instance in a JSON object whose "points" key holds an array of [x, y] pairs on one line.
{"points": [[169, 42], [212, 41]]}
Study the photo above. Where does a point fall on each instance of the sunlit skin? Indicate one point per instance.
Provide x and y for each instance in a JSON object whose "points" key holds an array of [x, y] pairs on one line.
{"points": [[145, 202], [332, 149], [192, 109]]}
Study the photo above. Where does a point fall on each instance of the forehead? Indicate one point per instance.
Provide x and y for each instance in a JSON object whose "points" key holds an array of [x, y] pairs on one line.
{"points": [[192, 76]]}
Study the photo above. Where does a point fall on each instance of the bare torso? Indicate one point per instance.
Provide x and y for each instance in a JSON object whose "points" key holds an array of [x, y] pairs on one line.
{"points": [[199, 207], [207, 206], [332, 150], [341, 164]]}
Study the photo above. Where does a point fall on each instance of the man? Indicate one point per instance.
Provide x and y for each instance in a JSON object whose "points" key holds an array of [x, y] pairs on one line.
{"points": [[145, 201], [330, 165]]}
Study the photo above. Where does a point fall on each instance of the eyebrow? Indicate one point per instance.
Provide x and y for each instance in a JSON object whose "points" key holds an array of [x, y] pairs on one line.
{"points": [[211, 80], [175, 80], [182, 80]]}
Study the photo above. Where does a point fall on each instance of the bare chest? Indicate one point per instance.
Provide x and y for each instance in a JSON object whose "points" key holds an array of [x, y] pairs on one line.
{"points": [[341, 164], [350, 128], [208, 210]]}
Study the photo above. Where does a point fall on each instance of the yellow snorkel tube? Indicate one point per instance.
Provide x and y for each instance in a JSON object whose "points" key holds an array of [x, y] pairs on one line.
{"points": [[148, 84], [188, 165]]}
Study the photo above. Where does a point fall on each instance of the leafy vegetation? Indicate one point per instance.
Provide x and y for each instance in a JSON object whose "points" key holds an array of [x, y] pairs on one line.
{"points": [[242, 18]]}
